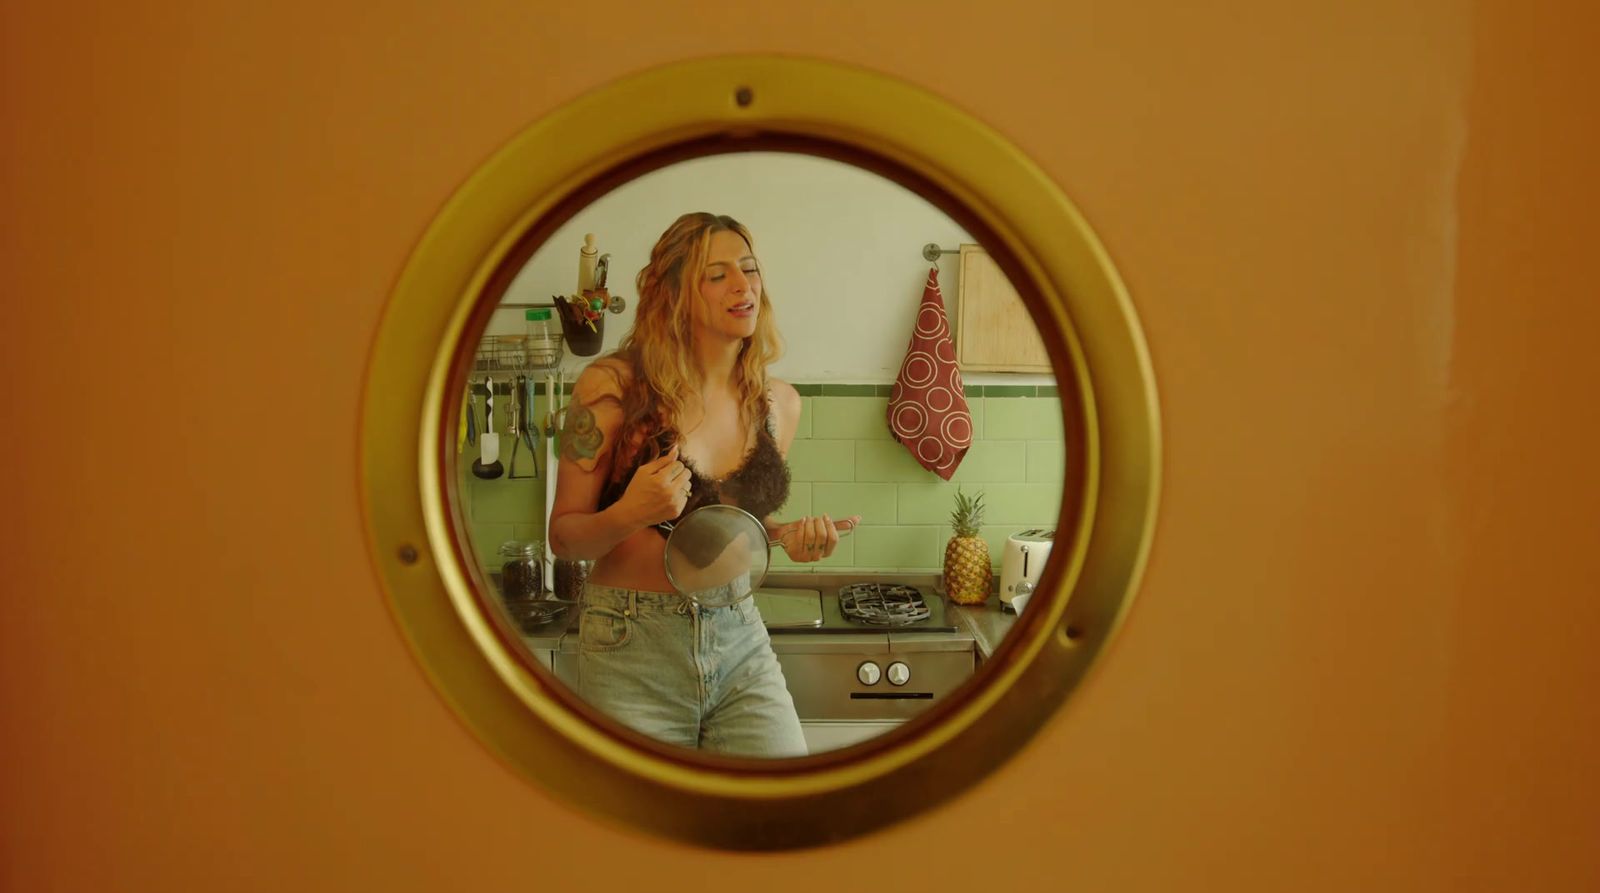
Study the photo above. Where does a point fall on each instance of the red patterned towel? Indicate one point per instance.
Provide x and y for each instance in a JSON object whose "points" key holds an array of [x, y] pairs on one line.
{"points": [[928, 409]]}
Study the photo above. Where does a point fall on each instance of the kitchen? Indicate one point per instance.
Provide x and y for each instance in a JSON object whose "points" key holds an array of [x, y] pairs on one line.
{"points": [[846, 255]]}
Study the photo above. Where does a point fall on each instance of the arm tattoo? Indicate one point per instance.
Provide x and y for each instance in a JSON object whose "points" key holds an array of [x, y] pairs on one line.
{"points": [[580, 438]]}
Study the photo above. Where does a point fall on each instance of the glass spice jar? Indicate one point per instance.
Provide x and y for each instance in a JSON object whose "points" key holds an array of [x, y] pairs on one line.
{"points": [[519, 569]]}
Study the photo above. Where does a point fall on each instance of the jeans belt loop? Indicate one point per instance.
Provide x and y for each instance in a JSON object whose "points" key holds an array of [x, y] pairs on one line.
{"points": [[633, 603]]}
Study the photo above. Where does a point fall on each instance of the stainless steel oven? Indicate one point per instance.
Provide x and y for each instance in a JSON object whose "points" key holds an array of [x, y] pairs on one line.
{"points": [[862, 654]]}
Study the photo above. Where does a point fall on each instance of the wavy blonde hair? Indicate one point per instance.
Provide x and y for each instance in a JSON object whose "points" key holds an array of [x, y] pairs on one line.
{"points": [[658, 347]]}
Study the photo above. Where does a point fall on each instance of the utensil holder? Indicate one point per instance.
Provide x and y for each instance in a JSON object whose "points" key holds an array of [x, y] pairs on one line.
{"points": [[582, 340]]}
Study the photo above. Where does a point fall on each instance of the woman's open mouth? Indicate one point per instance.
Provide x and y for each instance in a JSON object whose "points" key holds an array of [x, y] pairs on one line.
{"points": [[748, 308]]}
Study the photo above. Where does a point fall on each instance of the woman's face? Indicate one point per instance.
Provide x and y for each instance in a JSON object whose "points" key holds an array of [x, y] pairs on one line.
{"points": [[730, 289]]}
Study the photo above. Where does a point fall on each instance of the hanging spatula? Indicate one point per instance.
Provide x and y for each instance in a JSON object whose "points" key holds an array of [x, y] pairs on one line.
{"points": [[488, 465]]}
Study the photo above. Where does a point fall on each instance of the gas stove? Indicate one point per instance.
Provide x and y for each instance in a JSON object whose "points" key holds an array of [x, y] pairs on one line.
{"points": [[886, 607], [863, 653], [862, 607], [883, 604]]}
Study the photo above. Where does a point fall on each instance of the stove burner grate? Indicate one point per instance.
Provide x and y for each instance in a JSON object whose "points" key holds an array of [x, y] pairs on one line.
{"points": [[883, 604]]}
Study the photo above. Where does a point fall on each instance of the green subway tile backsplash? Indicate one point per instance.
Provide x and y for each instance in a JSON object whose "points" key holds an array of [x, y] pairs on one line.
{"points": [[507, 501], [875, 503], [843, 556], [528, 533], [1007, 418], [1018, 418], [822, 460], [486, 540], [1004, 503], [856, 418], [1028, 504], [899, 546], [885, 460], [991, 460], [1046, 460], [799, 504], [929, 503], [1047, 419], [972, 391], [843, 462]]}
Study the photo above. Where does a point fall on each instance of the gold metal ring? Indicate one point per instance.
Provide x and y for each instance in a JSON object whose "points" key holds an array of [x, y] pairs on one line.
{"points": [[520, 197]]}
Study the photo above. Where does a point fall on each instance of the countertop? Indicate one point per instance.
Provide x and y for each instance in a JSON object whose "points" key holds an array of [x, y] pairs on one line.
{"points": [[548, 637], [986, 624]]}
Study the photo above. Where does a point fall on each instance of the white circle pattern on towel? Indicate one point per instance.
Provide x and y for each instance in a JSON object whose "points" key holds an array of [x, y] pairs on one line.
{"points": [[957, 430], [910, 420], [918, 370]]}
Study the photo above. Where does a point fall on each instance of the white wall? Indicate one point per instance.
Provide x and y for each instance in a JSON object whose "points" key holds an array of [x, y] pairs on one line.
{"points": [[841, 250]]}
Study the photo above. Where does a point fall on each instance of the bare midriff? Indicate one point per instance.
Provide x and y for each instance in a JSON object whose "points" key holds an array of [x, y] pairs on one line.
{"points": [[637, 562]]}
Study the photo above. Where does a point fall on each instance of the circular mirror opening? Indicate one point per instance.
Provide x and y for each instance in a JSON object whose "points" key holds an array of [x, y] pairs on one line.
{"points": [[451, 598]]}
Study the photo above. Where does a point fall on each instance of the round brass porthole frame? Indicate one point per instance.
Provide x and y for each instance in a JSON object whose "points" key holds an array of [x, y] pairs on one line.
{"points": [[528, 718]]}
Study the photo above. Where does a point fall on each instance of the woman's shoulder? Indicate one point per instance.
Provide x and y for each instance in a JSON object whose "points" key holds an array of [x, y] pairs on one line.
{"points": [[785, 403], [608, 376], [784, 395]]}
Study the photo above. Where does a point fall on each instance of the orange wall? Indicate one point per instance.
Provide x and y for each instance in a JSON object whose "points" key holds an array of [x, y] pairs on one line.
{"points": [[1364, 655]]}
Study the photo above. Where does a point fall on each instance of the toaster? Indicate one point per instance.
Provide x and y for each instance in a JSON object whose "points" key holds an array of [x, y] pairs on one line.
{"points": [[1023, 564]]}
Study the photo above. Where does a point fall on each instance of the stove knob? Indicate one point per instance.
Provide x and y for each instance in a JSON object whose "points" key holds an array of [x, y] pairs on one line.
{"points": [[868, 673], [899, 673]]}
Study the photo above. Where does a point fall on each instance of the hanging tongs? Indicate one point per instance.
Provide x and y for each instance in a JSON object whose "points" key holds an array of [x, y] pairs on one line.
{"points": [[520, 418]]}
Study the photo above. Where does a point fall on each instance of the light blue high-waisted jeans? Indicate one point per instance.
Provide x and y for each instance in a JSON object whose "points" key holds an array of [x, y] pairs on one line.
{"points": [[684, 674]]}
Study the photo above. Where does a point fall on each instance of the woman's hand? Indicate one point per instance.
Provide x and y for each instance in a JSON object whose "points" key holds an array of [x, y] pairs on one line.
{"points": [[658, 490], [812, 538]]}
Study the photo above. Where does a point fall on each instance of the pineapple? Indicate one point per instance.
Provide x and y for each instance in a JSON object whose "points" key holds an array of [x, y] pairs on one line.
{"points": [[966, 555]]}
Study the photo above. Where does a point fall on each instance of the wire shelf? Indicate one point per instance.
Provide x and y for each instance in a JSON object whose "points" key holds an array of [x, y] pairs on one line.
{"points": [[517, 353]]}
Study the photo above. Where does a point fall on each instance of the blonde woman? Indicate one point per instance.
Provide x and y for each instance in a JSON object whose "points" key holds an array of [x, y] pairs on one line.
{"points": [[682, 415]]}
